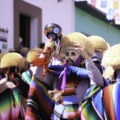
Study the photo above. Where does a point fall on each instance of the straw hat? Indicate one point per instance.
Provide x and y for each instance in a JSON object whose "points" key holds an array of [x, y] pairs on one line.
{"points": [[99, 43], [2, 54], [108, 73], [79, 39], [12, 60], [111, 59], [24, 50], [34, 53]]}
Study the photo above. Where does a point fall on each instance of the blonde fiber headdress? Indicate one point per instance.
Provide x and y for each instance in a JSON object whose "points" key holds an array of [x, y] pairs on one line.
{"points": [[79, 39], [12, 60], [111, 60], [34, 53], [99, 43]]}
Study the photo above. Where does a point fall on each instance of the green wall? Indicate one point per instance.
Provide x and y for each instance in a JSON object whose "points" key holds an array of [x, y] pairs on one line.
{"points": [[86, 23]]}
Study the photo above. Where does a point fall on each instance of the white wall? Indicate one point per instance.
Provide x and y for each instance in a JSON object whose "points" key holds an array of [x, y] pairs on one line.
{"points": [[33, 33], [6, 19], [61, 13]]}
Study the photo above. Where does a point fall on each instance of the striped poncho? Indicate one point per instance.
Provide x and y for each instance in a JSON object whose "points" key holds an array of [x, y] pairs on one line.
{"points": [[39, 103], [11, 107], [26, 76], [92, 106], [101, 104]]}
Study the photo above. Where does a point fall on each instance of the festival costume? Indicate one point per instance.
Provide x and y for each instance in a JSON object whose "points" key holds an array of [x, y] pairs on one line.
{"points": [[103, 103], [111, 61], [23, 51], [40, 104], [11, 96], [71, 99], [32, 54], [100, 46], [1, 73], [76, 87], [45, 80], [26, 76]]}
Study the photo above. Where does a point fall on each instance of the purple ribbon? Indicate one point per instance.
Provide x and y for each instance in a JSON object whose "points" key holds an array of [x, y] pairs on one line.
{"points": [[77, 62], [61, 84], [62, 79]]}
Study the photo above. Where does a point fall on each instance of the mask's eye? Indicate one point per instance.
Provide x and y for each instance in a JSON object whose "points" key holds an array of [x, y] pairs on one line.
{"points": [[73, 53], [67, 54]]}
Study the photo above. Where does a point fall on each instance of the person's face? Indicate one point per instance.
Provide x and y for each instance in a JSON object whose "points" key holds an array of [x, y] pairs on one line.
{"points": [[97, 55], [71, 56]]}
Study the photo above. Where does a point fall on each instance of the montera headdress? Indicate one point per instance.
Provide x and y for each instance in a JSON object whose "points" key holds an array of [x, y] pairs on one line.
{"points": [[76, 39], [32, 54], [12, 60], [23, 51], [99, 43], [1, 55], [111, 60]]}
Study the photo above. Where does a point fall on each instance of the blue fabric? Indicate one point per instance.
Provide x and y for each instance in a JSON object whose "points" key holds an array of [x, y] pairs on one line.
{"points": [[93, 97], [80, 72], [70, 99], [99, 105], [41, 89]]}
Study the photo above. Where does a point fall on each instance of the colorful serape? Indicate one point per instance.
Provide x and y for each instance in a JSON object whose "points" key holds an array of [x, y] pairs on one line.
{"points": [[101, 104], [92, 106], [111, 98], [39, 104], [11, 107], [26, 76], [69, 107]]}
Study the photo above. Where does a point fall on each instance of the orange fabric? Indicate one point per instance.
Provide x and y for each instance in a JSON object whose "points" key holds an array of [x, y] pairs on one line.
{"points": [[42, 62], [109, 103]]}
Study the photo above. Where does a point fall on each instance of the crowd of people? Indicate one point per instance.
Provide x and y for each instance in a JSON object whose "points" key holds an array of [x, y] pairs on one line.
{"points": [[71, 77]]}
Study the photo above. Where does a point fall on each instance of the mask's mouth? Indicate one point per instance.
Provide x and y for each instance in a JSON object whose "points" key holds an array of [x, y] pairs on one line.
{"points": [[70, 61]]}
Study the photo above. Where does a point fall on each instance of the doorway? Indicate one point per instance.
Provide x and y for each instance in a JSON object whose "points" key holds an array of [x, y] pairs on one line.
{"points": [[24, 29], [27, 24]]}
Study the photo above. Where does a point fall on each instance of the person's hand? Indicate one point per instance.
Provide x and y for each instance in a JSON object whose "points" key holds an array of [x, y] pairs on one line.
{"points": [[56, 95], [83, 51], [49, 45]]}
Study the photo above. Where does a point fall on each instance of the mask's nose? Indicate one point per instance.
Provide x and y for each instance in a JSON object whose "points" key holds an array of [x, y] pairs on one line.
{"points": [[69, 61]]}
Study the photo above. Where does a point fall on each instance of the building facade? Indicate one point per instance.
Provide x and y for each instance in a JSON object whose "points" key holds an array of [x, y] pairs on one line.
{"points": [[91, 21], [27, 19]]}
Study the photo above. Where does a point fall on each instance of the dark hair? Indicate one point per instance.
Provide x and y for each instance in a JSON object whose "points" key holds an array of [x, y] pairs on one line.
{"points": [[42, 45]]}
